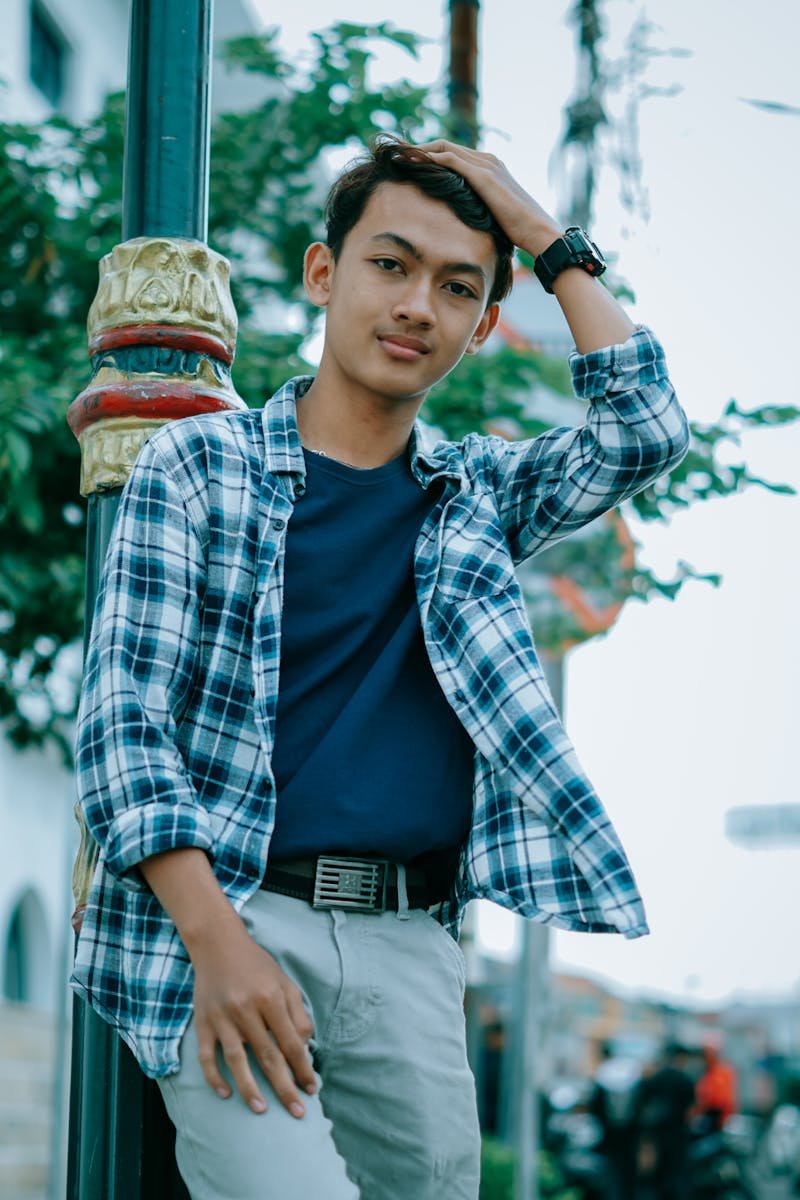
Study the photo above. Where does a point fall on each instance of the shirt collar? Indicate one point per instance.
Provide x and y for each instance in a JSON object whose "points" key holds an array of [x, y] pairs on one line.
{"points": [[430, 456], [284, 450]]}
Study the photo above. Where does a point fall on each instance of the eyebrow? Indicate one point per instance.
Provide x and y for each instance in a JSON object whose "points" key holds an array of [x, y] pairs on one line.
{"points": [[461, 268]]}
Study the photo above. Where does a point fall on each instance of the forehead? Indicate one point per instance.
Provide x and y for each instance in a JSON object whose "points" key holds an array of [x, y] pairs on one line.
{"points": [[429, 224]]}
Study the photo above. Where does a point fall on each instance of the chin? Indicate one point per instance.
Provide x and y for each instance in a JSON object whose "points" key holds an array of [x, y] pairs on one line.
{"points": [[397, 385]]}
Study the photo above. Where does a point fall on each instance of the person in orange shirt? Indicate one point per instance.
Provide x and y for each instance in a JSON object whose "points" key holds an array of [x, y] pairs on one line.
{"points": [[716, 1090]]}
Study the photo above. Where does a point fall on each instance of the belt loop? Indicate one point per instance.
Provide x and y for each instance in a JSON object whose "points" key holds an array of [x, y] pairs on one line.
{"points": [[402, 894]]}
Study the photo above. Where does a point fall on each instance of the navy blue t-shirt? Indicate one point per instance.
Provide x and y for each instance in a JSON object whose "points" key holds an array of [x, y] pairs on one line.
{"points": [[369, 757]]}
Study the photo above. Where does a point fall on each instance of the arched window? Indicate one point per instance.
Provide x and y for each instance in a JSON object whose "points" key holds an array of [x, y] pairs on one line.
{"points": [[14, 968], [27, 967]]}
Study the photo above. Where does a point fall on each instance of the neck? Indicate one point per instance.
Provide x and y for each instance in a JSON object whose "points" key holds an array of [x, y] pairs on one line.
{"points": [[352, 424]]}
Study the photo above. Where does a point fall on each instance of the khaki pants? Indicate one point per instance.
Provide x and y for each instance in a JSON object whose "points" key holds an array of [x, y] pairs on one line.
{"points": [[395, 1115]]}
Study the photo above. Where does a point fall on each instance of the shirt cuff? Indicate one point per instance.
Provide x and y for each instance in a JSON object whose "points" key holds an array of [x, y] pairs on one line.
{"points": [[631, 364], [154, 828]]}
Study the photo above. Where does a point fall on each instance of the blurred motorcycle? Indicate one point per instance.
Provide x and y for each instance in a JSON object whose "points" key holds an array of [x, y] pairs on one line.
{"points": [[572, 1135], [718, 1162], [718, 1169]]}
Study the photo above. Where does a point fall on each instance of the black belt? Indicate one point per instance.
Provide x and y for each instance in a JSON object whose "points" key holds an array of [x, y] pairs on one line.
{"points": [[356, 884]]}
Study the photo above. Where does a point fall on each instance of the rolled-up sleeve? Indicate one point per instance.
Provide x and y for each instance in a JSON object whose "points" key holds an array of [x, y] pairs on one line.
{"points": [[634, 431], [132, 783]]}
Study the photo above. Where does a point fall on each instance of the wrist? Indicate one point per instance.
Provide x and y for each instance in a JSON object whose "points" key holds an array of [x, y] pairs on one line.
{"points": [[184, 883], [540, 236], [573, 249], [205, 934]]}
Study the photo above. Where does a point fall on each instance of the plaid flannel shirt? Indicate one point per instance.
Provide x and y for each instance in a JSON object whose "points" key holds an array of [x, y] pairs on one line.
{"points": [[177, 715]]}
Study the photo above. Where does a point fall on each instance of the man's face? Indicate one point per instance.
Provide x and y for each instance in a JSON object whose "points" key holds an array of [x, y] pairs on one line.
{"points": [[406, 297]]}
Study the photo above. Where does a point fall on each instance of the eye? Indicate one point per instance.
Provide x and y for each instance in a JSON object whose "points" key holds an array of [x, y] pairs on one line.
{"points": [[464, 290], [386, 264]]}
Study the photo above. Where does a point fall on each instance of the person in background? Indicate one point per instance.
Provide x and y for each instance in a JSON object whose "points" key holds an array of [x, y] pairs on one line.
{"points": [[716, 1092], [494, 1044], [613, 1103], [663, 1106]]}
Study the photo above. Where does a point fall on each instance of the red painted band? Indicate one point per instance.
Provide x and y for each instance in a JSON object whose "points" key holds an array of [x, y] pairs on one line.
{"points": [[147, 398], [175, 337]]}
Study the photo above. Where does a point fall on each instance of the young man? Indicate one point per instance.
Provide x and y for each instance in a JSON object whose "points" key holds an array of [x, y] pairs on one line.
{"points": [[313, 723]]}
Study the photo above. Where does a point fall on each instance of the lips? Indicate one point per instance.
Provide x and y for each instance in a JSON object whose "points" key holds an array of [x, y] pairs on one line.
{"points": [[400, 346]]}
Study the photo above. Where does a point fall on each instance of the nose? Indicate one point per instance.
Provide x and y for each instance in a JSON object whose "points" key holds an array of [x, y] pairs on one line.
{"points": [[415, 305]]}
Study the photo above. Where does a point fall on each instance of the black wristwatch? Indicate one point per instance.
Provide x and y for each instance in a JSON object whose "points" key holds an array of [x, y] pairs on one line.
{"points": [[574, 249]]}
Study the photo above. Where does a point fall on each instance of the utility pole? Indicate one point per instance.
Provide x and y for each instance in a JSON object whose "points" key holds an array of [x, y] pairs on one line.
{"points": [[521, 1075], [462, 125], [162, 335], [462, 87], [532, 994]]}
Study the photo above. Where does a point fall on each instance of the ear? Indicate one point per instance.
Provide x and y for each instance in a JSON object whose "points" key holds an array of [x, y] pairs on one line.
{"points": [[485, 327], [318, 265]]}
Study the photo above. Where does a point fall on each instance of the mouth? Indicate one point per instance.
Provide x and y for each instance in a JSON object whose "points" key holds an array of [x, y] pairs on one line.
{"points": [[407, 349]]}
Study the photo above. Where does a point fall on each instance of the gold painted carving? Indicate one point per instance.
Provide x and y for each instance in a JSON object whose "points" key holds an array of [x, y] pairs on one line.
{"points": [[109, 449], [165, 281], [83, 868], [145, 282]]}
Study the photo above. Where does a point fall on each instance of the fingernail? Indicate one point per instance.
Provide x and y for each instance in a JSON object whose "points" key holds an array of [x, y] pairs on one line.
{"points": [[223, 1093], [258, 1105], [311, 1088], [296, 1109]]}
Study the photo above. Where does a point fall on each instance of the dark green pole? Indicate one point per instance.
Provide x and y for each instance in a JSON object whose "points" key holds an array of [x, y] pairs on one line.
{"points": [[167, 129], [120, 1141]]}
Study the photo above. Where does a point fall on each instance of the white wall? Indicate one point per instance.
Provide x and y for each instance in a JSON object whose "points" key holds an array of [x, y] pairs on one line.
{"points": [[96, 34], [38, 836]]}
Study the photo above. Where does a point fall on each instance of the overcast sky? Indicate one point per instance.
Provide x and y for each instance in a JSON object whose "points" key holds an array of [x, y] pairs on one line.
{"points": [[684, 710]]}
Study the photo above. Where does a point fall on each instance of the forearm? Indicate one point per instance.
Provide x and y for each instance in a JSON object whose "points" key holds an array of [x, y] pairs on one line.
{"points": [[185, 884], [634, 430], [595, 318]]}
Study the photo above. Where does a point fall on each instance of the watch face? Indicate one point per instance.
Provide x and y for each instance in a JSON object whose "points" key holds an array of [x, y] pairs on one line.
{"points": [[584, 249]]}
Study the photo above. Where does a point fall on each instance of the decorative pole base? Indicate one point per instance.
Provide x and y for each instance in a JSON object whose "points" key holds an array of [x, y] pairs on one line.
{"points": [[162, 336]]}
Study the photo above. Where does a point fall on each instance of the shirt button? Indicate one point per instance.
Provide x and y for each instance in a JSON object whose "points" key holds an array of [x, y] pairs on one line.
{"points": [[460, 697], [279, 524], [300, 490]]}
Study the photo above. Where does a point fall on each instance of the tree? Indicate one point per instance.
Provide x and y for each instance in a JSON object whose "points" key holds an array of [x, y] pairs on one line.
{"points": [[60, 209]]}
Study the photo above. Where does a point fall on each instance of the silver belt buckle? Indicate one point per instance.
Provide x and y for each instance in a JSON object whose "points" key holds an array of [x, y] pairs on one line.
{"points": [[357, 884]]}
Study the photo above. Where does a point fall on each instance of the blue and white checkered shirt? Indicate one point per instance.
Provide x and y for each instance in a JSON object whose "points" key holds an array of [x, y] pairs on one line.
{"points": [[177, 716]]}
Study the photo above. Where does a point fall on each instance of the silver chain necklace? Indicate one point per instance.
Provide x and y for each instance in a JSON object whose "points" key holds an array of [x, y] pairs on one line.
{"points": [[341, 461]]}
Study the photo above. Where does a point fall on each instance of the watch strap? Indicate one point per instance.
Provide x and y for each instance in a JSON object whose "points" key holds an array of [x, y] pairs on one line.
{"points": [[573, 249]]}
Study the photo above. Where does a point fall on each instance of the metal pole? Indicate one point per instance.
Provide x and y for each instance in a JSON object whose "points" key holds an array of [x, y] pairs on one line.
{"points": [[120, 1142], [56, 1175], [167, 121], [462, 88], [462, 125], [533, 994]]}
